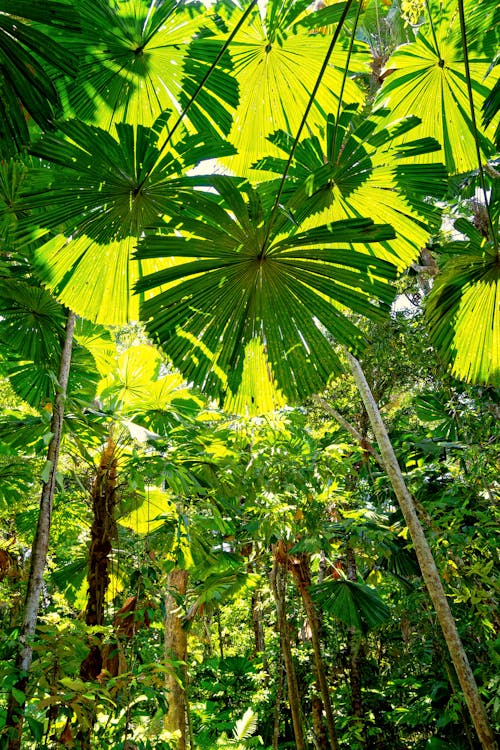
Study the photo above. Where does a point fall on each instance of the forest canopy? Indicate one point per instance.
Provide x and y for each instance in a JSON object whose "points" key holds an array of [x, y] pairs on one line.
{"points": [[249, 374]]}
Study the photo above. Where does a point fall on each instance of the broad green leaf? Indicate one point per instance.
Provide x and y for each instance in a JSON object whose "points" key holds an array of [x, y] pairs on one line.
{"points": [[96, 202], [356, 604], [139, 59], [26, 84], [240, 282], [427, 78], [463, 311], [276, 63], [153, 504], [359, 163]]}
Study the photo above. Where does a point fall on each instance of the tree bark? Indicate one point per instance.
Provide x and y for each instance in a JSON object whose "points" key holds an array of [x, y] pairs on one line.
{"points": [[355, 655], [15, 709], [427, 564], [101, 544], [301, 571], [176, 649], [278, 580], [279, 696]]}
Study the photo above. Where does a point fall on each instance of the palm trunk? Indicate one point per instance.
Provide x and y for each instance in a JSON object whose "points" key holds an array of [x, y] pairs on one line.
{"points": [[15, 709], [301, 571], [278, 580], [427, 564], [176, 649]]}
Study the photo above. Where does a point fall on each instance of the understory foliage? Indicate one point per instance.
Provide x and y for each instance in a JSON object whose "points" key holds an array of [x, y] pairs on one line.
{"points": [[229, 197]]}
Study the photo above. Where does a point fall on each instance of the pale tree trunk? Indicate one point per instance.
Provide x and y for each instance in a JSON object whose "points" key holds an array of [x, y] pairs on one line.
{"points": [[15, 710], [427, 564], [176, 649], [278, 581], [301, 571]]}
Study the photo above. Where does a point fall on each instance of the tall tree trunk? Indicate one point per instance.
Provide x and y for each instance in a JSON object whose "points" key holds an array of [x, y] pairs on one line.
{"points": [[301, 571], [102, 533], [258, 627], [427, 564], [279, 696], [15, 708], [278, 580], [355, 656], [176, 649]]}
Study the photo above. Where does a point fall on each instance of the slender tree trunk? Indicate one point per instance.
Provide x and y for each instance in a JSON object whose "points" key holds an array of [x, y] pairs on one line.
{"points": [[301, 571], [258, 628], [355, 656], [279, 697], [15, 709], [278, 580], [427, 564], [176, 649]]}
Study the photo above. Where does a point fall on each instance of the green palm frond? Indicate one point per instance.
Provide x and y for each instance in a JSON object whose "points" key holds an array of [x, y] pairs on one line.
{"points": [[360, 163], [32, 321], [100, 197], [355, 604], [277, 59], [28, 56], [32, 333], [140, 59], [241, 282], [463, 309], [427, 79]]}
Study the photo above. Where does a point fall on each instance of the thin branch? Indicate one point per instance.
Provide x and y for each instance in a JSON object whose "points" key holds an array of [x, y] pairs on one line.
{"points": [[367, 446]]}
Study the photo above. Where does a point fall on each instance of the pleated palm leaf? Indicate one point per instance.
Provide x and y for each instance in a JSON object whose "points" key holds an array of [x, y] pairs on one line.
{"points": [[359, 163], [29, 61], [247, 282], [277, 57], [355, 604], [427, 78], [32, 335], [463, 309], [136, 387], [139, 59], [91, 208]]}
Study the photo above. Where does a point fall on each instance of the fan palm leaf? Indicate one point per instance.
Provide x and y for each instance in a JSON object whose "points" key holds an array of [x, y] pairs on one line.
{"points": [[139, 59], [135, 387], [359, 163], [277, 57], [28, 56], [32, 335], [242, 282], [355, 604], [427, 79], [91, 208], [463, 309]]}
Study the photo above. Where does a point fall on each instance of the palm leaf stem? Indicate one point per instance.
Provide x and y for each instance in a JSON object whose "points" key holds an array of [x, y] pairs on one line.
{"points": [[482, 180], [346, 69], [275, 207], [433, 31], [199, 88]]}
